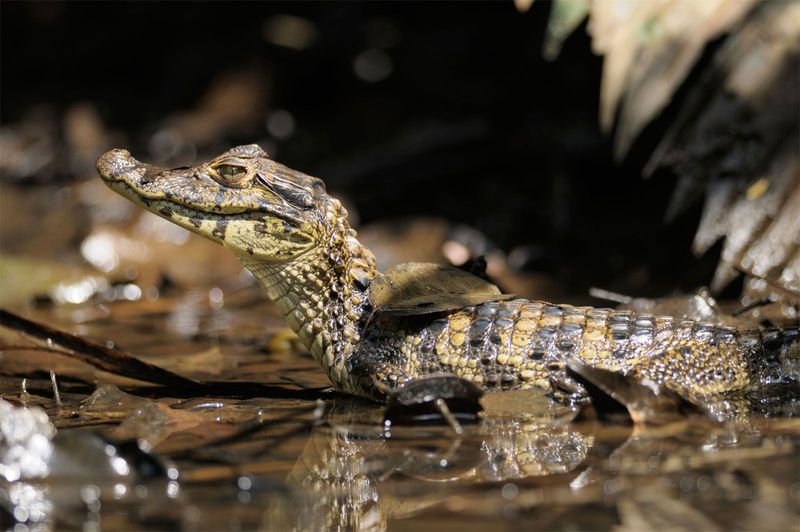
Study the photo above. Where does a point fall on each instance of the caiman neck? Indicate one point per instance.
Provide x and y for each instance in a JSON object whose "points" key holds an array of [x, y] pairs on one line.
{"points": [[323, 293]]}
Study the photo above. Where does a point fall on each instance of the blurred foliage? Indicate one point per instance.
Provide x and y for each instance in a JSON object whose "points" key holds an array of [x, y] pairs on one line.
{"points": [[735, 131]]}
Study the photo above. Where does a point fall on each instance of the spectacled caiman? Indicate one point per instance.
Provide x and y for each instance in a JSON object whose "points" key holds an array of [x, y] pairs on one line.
{"points": [[297, 242]]}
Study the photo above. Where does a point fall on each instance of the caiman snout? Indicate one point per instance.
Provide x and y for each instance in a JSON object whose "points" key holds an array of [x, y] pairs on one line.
{"points": [[116, 165]]}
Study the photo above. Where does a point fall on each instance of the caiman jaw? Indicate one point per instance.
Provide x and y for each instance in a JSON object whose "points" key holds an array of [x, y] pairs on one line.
{"points": [[130, 178], [144, 184], [242, 200]]}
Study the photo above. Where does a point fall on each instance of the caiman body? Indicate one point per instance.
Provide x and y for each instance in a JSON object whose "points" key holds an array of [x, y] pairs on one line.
{"points": [[297, 242]]}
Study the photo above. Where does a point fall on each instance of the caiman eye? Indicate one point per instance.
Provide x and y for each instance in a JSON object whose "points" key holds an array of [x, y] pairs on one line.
{"points": [[231, 173]]}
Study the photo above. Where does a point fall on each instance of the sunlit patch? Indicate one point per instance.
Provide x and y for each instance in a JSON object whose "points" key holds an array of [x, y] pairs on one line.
{"points": [[78, 292], [216, 298], [456, 252], [98, 250]]}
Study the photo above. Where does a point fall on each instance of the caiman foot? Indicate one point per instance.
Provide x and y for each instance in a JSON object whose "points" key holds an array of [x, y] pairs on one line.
{"points": [[433, 398]]}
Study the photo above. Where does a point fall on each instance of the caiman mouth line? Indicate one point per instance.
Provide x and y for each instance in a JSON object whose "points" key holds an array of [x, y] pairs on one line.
{"points": [[167, 208], [161, 205], [211, 225], [142, 197]]}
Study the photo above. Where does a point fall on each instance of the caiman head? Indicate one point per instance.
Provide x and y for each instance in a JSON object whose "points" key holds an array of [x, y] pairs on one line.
{"points": [[242, 199], [292, 236]]}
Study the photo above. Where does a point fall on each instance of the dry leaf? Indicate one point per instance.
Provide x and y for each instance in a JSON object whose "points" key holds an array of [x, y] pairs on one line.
{"points": [[424, 288]]}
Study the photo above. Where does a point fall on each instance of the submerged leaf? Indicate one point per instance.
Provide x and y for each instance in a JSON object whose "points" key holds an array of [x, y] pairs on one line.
{"points": [[424, 288], [646, 402]]}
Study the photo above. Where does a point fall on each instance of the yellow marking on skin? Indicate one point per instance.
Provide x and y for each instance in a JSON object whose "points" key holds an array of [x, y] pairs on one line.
{"points": [[527, 374], [502, 358], [602, 353], [459, 322], [549, 321], [520, 339], [515, 360], [526, 325], [527, 315], [442, 346], [472, 363], [594, 335], [458, 339], [505, 336]]}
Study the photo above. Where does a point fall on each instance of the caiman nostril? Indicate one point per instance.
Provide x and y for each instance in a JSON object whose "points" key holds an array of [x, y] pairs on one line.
{"points": [[113, 164]]}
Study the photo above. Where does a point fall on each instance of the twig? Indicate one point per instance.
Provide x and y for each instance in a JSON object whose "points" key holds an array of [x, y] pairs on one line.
{"points": [[55, 389], [755, 304], [608, 295], [99, 356], [448, 416]]}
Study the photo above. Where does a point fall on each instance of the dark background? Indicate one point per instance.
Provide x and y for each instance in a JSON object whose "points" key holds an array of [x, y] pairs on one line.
{"points": [[471, 124]]}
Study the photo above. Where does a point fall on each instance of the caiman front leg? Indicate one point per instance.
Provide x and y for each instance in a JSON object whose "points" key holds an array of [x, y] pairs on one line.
{"points": [[415, 399]]}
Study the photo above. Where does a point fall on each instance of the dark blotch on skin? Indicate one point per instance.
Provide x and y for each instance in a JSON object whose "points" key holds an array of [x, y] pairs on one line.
{"points": [[219, 199], [166, 211], [547, 333], [570, 328], [219, 228], [260, 227], [150, 175], [195, 222], [537, 354]]}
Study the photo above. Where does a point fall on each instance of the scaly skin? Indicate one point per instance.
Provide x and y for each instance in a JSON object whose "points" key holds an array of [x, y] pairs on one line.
{"points": [[296, 241]]}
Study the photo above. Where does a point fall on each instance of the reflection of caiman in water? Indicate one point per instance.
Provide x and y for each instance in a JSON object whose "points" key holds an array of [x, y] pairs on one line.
{"points": [[686, 476], [353, 475], [375, 333]]}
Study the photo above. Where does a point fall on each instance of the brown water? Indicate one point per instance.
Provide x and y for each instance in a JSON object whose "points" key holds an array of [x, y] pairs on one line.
{"points": [[276, 449]]}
